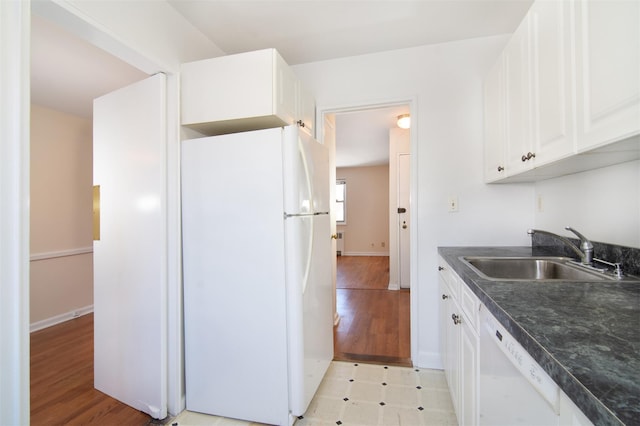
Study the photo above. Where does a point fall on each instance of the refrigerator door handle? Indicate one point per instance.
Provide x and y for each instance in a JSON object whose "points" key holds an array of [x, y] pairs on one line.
{"points": [[305, 277], [307, 175]]}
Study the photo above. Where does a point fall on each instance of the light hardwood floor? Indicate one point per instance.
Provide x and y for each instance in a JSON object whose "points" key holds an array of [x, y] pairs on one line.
{"points": [[374, 322], [62, 390]]}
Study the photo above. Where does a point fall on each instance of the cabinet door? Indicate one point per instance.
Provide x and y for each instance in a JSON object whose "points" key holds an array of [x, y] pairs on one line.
{"points": [[607, 58], [469, 347], [450, 342], [517, 97], [551, 78], [285, 91], [306, 108], [494, 143]]}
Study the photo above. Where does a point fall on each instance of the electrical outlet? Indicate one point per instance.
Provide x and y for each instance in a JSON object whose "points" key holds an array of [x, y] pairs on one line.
{"points": [[453, 204]]}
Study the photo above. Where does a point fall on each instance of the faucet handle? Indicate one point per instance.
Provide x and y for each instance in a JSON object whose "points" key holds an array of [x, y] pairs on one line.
{"points": [[585, 244]]}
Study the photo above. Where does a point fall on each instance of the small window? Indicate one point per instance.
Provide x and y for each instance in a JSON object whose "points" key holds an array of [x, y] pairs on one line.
{"points": [[341, 204]]}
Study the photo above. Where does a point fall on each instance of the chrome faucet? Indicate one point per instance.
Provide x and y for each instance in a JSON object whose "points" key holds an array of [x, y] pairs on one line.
{"points": [[585, 252], [585, 245]]}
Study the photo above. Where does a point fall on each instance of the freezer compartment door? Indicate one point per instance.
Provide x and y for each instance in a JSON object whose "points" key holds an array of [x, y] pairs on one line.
{"points": [[306, 173], [309, 304]]}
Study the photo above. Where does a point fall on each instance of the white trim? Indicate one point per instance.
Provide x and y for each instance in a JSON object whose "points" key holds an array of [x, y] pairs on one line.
{"points": [[83, 22], [58, 319], [15, 31], [336, 319], [393, 286], [365, 253], [61, 253], [412, 101], [428, 360]]}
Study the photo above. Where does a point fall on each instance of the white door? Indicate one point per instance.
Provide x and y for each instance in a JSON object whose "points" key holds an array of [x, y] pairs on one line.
{"points": [[404, 213], [130, 320]]}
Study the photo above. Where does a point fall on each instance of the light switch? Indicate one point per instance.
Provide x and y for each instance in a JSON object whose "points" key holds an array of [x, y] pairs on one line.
{"points": [[453, 204]]}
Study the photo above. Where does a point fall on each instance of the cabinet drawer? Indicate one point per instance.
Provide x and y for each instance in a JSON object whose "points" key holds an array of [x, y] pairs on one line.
{"points": [[470, 306]]}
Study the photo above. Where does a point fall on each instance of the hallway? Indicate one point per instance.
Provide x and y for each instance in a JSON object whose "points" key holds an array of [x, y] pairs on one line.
{"points": [[374, 322]]}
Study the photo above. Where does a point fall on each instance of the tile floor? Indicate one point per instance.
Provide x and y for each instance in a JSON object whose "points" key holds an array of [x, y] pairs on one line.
{"points": [[366, 395]]}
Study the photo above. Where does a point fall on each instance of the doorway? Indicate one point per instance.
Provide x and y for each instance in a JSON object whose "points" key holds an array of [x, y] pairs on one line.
{"points": [[62, 286], [373, 310]]}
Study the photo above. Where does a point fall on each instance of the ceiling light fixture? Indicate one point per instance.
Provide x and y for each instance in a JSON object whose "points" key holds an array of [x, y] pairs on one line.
{"points": [[404, 121]]}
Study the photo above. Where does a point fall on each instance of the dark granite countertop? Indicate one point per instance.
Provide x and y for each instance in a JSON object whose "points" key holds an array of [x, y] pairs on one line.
{"points": [[585, 335]]}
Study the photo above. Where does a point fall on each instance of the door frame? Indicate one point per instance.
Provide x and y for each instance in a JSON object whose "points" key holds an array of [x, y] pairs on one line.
{"points": [[15, 122], [15, 34], [321, 112]]}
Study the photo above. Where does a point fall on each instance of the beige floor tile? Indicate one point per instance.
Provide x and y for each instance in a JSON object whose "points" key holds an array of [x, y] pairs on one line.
{"points": [[403, 396], [352, 393], [360, 413]]}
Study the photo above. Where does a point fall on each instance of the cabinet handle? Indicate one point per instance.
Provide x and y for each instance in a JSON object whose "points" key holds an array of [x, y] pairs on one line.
{"points": [[456, 319], [445, 297], [440, 268], [529, 156], [500, 168], [300, 123]]}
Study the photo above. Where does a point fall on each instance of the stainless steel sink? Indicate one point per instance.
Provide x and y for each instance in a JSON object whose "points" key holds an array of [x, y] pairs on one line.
{"points": [[532, 269]]}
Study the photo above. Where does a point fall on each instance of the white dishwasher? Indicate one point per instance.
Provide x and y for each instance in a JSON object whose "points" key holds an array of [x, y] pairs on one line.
{"points": [[514, 389]]}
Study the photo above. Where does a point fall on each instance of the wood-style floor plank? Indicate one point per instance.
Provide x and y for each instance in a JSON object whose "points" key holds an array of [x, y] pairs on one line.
{"points": [[364, 272], [374, 322], [62, 391]]}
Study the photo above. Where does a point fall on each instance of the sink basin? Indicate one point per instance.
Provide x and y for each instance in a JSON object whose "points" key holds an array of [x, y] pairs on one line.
{"points": [[531, 269]]}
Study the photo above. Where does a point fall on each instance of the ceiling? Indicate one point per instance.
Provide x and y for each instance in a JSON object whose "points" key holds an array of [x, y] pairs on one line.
{"points": [[68, 73]]}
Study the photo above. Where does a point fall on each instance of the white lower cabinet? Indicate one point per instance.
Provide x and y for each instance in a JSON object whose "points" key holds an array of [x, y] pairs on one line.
{"points": [[460, 351], [459, 344], [469, 374]]}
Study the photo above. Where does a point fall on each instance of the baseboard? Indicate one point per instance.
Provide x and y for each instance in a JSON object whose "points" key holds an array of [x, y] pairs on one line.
{"points": [[393, 286], [45, 323], [430, 360], [336, 319], [365, 253]]}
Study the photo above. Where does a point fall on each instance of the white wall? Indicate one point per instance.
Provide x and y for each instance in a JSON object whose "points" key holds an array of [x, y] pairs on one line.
{"points": [[603, 204], [367, 227], [446, 80], [61, 205]]}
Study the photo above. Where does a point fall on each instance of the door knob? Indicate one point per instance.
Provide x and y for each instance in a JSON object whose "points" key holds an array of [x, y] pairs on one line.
{"points": [[334, 236]]}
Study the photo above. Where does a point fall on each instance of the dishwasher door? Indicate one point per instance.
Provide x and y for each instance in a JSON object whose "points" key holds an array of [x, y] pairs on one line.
{"points": [[514, 390]]}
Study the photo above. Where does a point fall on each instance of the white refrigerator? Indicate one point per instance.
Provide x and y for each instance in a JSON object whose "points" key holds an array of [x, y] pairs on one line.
{"points": [[257, 273]]}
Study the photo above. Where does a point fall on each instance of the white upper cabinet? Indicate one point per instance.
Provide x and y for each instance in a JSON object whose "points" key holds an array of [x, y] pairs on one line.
{"points": [[306, 108], [247, 91], [518, 101], [567, 83], [494, 112], [551, 72], [608, 71]]}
